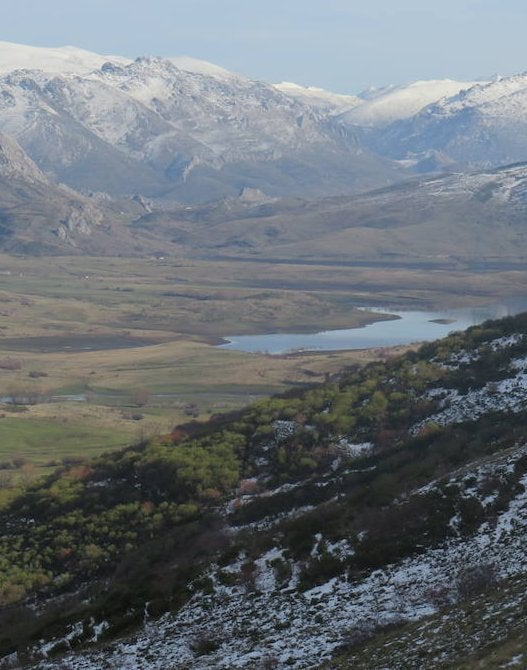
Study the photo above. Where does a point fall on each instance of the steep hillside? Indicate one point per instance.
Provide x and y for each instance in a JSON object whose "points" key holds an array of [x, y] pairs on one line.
{"points": [[324, 523], [35, 215], [40, 217]]}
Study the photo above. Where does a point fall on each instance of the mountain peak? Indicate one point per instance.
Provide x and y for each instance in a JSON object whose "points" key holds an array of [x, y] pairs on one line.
{"points": [[394, 103], [197, 66], [74, 60], [66, 59]]}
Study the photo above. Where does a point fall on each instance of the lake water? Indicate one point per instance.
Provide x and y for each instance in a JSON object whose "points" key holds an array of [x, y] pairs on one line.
{"points": [[410, 326]]}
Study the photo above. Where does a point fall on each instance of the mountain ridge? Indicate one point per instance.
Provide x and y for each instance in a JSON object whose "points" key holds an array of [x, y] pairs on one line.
{"points": [[480, 127], [58, 60], [395, 103], [187, 130], [169, 131]]}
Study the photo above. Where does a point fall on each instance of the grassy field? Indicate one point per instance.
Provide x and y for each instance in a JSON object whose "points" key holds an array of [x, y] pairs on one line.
{"points": [[41, 440], [102, 351]]}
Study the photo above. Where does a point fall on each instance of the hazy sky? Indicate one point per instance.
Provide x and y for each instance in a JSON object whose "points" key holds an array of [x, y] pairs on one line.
{"points": [[344, 45]]}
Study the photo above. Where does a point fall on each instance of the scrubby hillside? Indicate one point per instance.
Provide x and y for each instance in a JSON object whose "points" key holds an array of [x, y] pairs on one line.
{"points": [[332, 522]]}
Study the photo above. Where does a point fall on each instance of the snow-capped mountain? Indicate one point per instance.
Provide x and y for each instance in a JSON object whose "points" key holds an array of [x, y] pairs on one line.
{"points": [[220, 118], [177, 127], [57, 60], [189, 130], [383, 106], [482, 126], [319, 98]]}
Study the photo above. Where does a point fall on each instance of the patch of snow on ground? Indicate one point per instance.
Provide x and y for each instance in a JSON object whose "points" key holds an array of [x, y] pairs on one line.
{"points": [[465, 357], [519, 364], [300, 630], [265, 580], [284, 429], [506, 395], [508, 341], [354, 450]]}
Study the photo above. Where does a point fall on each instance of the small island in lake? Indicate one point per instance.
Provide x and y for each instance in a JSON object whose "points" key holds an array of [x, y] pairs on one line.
{"points": [[444, 322]]}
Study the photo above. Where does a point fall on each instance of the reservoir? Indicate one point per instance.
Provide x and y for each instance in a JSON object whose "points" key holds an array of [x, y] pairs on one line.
{"points": [[407, 327]]}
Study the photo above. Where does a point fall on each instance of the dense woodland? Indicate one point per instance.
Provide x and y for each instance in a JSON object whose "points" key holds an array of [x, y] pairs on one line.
{"points": [[98, 540]]}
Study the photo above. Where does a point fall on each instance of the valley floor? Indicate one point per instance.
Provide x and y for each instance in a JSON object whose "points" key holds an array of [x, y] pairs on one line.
{"points": [[66, 321]]}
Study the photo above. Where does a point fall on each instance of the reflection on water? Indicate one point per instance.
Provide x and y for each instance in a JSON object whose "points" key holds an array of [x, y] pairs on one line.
{"points": [[411, 326]]}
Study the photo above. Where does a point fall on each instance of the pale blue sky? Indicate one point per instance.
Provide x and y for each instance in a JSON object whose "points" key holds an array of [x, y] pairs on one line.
{"points": [[343, 45]]}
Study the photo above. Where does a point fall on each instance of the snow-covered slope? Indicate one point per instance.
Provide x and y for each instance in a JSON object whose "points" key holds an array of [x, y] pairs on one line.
{"points": [[57, 60], [485, 125], [319, 98], [320, 620], [400, 102], [228, 117], [501, 94], [198, 66], [189, 130]]}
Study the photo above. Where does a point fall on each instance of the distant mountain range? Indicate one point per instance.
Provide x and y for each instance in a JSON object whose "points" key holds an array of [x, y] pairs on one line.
{"points": [[190, 137], [176, 128], [433, 220], [191, 131]]}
